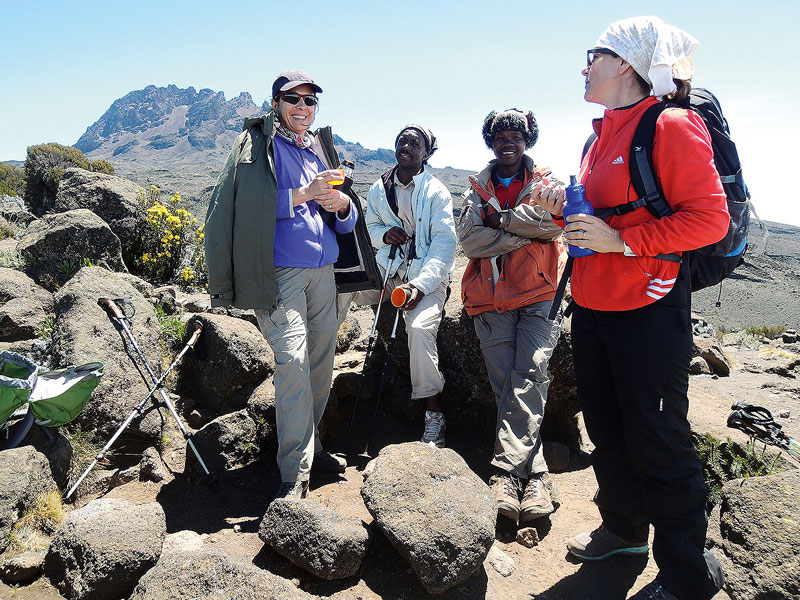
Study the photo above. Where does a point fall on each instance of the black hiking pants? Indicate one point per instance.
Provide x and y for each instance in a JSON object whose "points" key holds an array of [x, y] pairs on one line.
{"points": [[632, 370]]}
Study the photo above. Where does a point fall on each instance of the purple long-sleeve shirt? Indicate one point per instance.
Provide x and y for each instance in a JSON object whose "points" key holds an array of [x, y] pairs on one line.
{"points": [[301, 237]]}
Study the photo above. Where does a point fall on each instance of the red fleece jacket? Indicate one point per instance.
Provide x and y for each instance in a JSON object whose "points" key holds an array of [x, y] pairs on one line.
{"points": [[684, 164]]}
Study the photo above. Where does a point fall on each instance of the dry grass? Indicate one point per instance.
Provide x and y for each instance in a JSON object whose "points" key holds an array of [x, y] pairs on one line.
{"points": [[32, 532], [770, 352]]}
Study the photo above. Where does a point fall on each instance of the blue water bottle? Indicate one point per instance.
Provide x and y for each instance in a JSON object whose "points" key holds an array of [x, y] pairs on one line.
{"points": [[577, 203]]}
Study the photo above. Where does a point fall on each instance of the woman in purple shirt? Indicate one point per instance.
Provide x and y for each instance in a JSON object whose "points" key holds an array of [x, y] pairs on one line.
{"points": [[302, 329]]}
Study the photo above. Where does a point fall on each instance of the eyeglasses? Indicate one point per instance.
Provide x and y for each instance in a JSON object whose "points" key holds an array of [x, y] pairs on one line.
{"points": [[293, 98], [591, 55]]}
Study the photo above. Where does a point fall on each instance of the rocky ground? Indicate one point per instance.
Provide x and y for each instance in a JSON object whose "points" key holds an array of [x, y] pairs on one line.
{"points": [[228, 516], [153, 520]]}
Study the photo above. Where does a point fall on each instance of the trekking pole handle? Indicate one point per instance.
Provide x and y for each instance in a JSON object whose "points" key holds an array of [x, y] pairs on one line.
{"points": [[112, 306], [198, 329], [393, 251]]}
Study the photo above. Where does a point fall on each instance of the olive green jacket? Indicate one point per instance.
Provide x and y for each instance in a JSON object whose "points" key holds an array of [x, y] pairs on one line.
{"points": [[240, 225]]}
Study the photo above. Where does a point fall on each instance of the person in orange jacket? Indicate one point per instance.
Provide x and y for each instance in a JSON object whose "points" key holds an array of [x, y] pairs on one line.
{"points": [[631, 325], [508, 288]]}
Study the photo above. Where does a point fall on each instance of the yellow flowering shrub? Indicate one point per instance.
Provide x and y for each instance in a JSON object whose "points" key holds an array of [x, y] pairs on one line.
{"points": [[170, 231]]}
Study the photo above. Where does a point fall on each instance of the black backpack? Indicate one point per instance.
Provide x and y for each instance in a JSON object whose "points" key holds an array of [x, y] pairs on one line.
{"points": [[711, 264], [708, 265]]}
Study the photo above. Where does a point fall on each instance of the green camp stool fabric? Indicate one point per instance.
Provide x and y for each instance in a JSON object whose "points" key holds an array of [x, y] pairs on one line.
{"points": [[59, 396], [17, 378]]}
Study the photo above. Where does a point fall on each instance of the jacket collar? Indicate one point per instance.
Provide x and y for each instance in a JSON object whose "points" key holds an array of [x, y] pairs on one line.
{"points": [[388, 184]]}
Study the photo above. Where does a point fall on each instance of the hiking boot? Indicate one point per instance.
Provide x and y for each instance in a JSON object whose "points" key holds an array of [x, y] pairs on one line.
{"points": [[325, 462], [434, 429], [292, 489], [536, 501], [601, 544], [506, 488], [653, 591], [550, 484]]}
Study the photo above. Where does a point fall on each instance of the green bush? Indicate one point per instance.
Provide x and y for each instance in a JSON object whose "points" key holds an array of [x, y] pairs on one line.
{"points": [[44, 167], [768, 331], [101, 166], [723, 461], [12, 180], [6, 229]]}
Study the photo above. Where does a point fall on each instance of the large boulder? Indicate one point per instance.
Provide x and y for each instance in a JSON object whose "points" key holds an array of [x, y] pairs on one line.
{"points": [[56, 246], [23, 306], [113, 199], [24, 476], [315, 537], [755, 534], [102, 549], [437, 513], [212, 576], [231, 359], [85, 332], [228, 442]]}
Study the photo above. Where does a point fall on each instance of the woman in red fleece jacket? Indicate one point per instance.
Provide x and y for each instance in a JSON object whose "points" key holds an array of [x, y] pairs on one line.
{"points": [[631, 327]]}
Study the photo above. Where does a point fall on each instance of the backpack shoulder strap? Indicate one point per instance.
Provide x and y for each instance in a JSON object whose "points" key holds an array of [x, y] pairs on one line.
{"points": [[641, 164]]}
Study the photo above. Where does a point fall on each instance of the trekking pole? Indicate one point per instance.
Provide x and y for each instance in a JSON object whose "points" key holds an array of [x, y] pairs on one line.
{"points": [[392, 254], [410, 256], [383, 380], [137, 411], [121, 318], [757, 422]]}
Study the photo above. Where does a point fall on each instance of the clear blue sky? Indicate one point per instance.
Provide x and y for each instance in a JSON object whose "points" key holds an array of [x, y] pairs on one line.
{"points": [[442, 64]]}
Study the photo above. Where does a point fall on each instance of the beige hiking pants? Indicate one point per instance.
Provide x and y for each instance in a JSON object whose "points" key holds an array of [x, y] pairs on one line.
{"points": [[517, 346], [302, 334], [422, 327]]}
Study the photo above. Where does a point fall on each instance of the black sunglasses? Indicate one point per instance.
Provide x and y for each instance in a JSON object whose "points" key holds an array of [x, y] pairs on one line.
{"points": [[592, 54], [293, 98]]}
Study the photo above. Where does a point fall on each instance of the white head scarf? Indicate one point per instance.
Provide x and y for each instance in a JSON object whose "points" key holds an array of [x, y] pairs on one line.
{"points": [[656, 51]]}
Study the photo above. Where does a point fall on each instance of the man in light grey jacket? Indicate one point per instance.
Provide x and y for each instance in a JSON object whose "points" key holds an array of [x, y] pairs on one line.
{"points": [[410, 208]]}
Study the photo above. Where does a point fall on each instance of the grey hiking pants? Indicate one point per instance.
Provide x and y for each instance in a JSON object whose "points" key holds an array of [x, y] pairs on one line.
{"points": [[302, 334], [517, 346]]}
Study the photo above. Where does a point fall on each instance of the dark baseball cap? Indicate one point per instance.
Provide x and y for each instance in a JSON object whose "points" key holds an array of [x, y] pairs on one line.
{"points": [[289, 79]]}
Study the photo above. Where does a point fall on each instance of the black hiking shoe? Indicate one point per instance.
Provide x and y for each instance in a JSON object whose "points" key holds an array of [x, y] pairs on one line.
{"points": [[603, 543], [653, 591], [325, 462]]}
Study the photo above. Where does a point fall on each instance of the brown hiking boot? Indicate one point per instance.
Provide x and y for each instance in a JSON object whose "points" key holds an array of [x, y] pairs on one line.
{"points": [[536, 501], [506, 488]]}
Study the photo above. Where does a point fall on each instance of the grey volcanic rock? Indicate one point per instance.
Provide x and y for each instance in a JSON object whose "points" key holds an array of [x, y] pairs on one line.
{"points": [[84, 332], [437, 513], [699, 366], [755, 534], [102, 549], [23, 305], [22, 568], [711, 350], [182, 541], [55, 246], [261, 407], [315, 537], [14, 210], [231, 360], [113, 199], [24, 476], [226, 443], [152, 468], [212, 576]]}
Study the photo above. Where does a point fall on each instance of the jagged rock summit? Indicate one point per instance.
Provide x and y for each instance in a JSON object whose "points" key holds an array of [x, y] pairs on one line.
{"points": [[178, 139]]}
